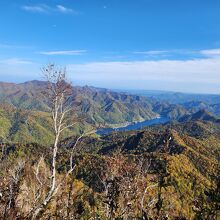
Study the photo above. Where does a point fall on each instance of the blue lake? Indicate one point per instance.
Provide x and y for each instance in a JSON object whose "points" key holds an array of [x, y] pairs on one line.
{"points": [[134, 126]]}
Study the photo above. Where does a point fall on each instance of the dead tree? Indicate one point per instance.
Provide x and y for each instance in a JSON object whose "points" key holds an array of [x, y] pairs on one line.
{"points": [[10, 187], [58, 93]]}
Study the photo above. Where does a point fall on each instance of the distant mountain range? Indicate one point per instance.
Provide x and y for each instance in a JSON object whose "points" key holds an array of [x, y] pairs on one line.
{"points": [[122, 105], [176, 97], [24, 111], [102, 105]]}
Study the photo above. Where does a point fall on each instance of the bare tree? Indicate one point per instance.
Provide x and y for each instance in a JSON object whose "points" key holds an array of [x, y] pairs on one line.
{"points": [[10, 186], [58, 93]]}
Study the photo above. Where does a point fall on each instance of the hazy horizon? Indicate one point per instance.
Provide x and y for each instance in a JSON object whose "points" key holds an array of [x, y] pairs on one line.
{"points": [[120, 89]]}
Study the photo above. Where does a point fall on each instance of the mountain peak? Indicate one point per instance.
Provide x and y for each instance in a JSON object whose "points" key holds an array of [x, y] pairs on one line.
{"points": [[202, 114]]}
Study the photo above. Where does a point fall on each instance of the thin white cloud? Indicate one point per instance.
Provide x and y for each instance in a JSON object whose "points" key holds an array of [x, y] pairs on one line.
{"points": [[36, 8], [172, 52], [152, 52], [198, 75], [191, 71], [43, 8], [211, 52], [14, 46], [15, 61], [66, 10], [12, 70], [63, 52]]}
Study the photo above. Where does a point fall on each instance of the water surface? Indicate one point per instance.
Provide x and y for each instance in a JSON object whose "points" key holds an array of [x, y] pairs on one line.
{"points": [[134, 126]]}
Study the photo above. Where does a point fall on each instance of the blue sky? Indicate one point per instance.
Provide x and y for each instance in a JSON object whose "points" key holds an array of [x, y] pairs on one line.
{"points": [[136, 44]]}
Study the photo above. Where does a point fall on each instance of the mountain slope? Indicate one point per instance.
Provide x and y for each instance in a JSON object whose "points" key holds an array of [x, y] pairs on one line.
{"points": [[183, 157], [101, 105], [25, 126], [200, 115], [187, 161]]}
